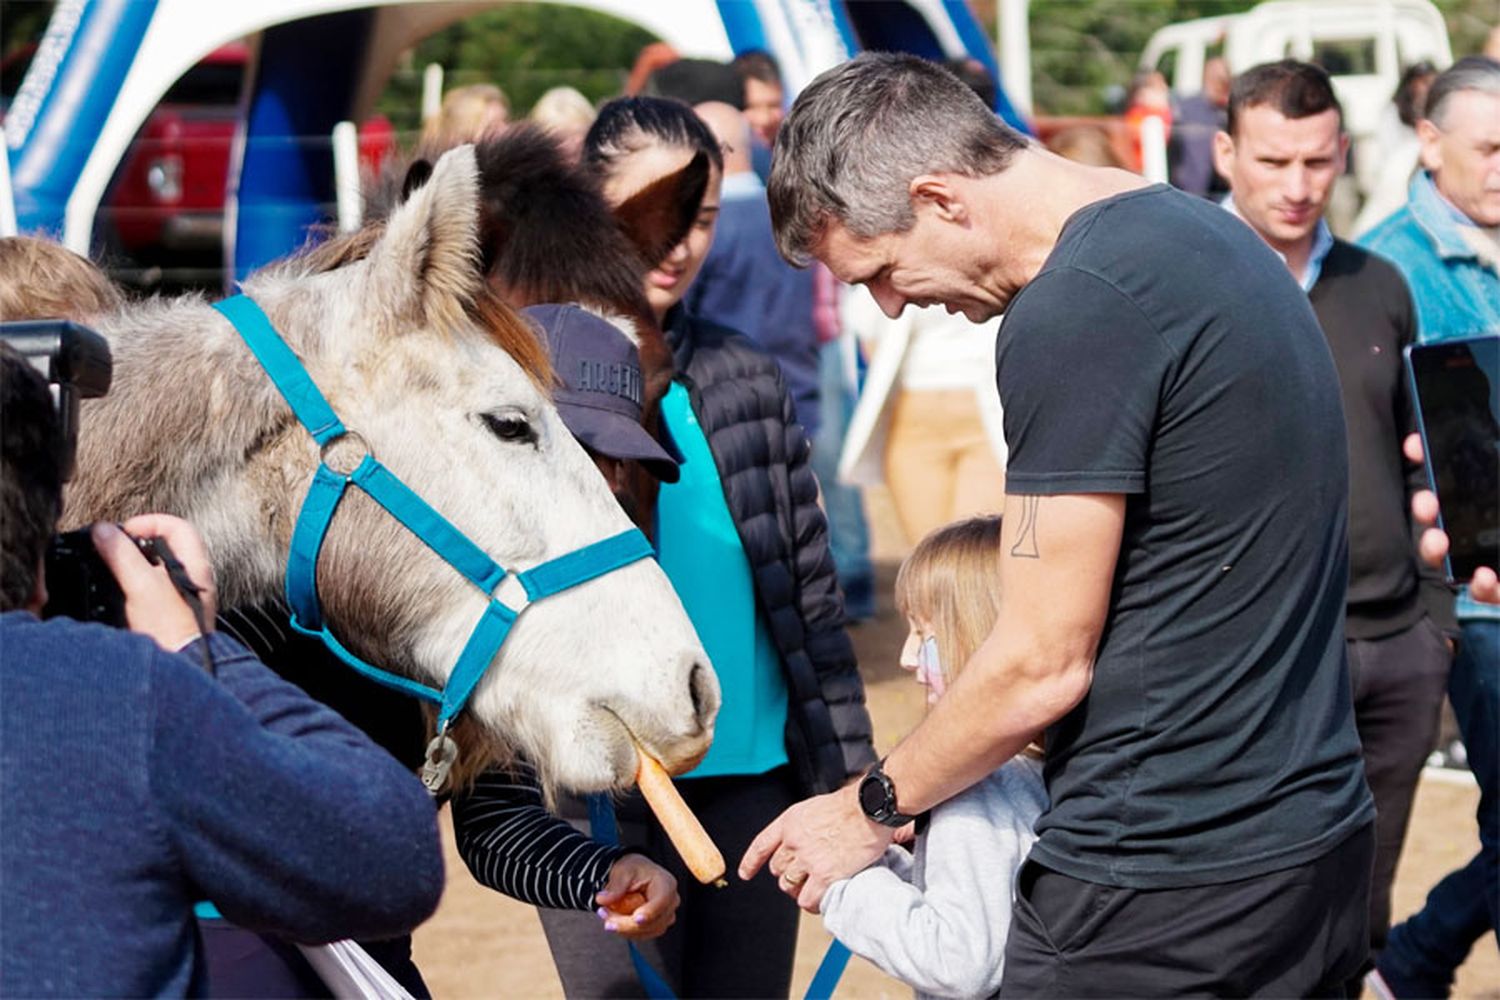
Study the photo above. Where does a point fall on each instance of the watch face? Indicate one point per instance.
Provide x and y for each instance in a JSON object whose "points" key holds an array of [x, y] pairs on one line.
{"points": [[872, 796]]}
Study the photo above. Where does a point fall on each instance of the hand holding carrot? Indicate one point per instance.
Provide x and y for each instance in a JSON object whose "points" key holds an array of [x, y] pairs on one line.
{"points": [[639, 901]]}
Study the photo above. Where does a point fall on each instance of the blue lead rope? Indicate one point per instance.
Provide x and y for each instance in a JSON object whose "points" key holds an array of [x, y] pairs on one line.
{"points": [[829, 971], [603, 828]]}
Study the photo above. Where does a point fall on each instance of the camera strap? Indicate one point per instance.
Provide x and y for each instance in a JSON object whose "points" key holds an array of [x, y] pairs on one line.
{"points": [[508, 592]]}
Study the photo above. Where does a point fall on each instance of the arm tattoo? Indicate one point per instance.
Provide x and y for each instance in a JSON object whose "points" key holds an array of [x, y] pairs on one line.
{"points": [[1025, 546]]}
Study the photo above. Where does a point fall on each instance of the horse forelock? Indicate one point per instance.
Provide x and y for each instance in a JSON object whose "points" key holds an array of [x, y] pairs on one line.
{"points": [[510, 331]]}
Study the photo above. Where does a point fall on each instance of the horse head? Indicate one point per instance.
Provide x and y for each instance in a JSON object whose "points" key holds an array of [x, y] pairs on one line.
{"points": [[547, 234], [447, 387]]}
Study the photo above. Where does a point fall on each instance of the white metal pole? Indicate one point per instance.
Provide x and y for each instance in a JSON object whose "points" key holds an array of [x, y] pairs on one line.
{"points": [[1015, 53], [432, 91], [7, 194], [346, 175], [1154, 149]]}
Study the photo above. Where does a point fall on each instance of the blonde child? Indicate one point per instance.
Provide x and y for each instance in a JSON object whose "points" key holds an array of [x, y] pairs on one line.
{"points": [[938, 918]]}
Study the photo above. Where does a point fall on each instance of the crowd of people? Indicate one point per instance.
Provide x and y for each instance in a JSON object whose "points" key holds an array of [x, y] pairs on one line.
{"points": [[1174, 596]]}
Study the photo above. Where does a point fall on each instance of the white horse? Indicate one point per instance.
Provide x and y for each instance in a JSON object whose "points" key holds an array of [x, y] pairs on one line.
{"points": [[449, 389]]}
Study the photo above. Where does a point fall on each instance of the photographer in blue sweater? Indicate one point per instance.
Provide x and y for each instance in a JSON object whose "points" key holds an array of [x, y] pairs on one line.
{"points": [[133, 784]]}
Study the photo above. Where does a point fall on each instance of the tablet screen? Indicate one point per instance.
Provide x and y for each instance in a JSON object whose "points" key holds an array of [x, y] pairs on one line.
{"points": [[1458, 398]]}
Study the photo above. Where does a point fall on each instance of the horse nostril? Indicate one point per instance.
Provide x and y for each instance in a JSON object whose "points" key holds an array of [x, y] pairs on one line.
{"points": [[701, 684]]}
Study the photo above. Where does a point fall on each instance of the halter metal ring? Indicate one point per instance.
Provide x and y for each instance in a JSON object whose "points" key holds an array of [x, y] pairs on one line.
{"points": [[511, 592], [332, 449]]}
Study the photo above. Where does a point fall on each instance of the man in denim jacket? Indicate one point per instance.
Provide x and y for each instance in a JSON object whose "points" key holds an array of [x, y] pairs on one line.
{"points": [[1444, 238], [1445, 242]]}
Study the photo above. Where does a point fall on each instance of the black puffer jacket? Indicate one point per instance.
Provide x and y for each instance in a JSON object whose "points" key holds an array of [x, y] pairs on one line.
{"points": [[741, 402]]}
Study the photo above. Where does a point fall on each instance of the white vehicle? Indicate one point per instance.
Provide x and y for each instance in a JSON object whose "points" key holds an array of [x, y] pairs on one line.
{"points": [[1364, 45]]}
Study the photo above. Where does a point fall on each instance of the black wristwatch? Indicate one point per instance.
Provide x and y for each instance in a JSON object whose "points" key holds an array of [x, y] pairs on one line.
{"points": [[877, 798]]}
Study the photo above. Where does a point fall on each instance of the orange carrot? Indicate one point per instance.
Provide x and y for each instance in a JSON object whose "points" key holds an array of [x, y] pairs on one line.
{"points": [[687, 834], [628, 903]]}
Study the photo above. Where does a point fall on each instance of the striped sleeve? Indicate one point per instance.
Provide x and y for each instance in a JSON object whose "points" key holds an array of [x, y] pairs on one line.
{"points": [[512, 844]]}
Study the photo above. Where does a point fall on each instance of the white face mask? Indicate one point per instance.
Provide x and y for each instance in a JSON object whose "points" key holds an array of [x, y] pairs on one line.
{"points": [[929, 668]]}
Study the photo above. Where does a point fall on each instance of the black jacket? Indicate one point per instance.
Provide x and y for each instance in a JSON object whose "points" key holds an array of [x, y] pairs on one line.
{"points": [[1367, 317], [741, 402]]}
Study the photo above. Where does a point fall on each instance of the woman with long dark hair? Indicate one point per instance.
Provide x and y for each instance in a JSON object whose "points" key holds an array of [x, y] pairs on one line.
{"points": [[743, 541]]}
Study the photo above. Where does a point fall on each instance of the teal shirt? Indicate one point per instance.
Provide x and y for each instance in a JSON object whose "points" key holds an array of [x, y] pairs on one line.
{"points": [[700, 550]]}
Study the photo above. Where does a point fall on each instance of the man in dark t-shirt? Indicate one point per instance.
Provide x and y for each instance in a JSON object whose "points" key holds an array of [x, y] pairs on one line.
{"points": [[1214, 743], [1173, 566]]}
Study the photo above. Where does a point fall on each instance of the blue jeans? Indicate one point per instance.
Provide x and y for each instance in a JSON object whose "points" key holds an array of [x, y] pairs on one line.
{"points": [[1422, 954]]}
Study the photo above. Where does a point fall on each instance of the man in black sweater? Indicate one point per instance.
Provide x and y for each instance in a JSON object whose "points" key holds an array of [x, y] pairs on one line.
{"points": [[1283, 150]]}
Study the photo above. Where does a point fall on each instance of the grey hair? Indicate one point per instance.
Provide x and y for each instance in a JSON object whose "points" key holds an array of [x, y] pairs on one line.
{"points": [[859, 134], [1479, 73]]}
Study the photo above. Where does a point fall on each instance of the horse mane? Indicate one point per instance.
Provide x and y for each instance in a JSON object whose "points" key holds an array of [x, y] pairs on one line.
{"points": [[486, 309]]}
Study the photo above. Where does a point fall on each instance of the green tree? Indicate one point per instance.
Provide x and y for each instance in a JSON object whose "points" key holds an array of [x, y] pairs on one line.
{"points": [[1084, 51], [1469, 22], [525, 49], [22, 23]]}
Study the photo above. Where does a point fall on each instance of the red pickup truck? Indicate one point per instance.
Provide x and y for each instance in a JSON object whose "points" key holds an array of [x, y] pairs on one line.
{"points": [[167, 197], [162, 216], [166, 204]]}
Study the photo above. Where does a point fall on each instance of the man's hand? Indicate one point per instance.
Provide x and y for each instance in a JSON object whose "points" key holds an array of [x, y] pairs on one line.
{"points": [[646, 892], [152, 605], [1433, 545], [815, 843]]}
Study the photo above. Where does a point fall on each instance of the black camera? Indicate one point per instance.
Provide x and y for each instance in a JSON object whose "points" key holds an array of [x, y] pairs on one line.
{"points": [[79, 583], [76, 362], [78, 365], [73, 359]]}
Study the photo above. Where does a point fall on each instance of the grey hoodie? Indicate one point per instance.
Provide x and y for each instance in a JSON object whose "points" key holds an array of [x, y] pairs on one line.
{"points": [[938, 919]]}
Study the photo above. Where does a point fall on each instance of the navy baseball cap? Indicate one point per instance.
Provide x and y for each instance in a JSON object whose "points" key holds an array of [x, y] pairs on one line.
{"points": [[600, 396]]}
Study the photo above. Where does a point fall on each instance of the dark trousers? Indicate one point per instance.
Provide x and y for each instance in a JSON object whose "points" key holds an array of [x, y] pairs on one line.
{"points": [[1422, 954], [1294, 933], [1398, 683], [738, 941]]}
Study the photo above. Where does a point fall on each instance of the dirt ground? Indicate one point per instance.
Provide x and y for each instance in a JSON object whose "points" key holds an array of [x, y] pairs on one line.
{"points": [[482, 944]]}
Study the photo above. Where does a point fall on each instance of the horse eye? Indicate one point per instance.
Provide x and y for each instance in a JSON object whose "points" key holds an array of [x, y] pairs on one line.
{"points": [[511, 426]]}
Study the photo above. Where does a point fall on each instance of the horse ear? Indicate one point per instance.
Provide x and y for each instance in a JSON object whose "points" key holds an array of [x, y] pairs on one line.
{"points": [[426, 266], [657, 217]]}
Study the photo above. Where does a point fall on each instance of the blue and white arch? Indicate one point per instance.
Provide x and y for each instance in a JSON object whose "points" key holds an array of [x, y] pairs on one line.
{"points": [[103, 65]]}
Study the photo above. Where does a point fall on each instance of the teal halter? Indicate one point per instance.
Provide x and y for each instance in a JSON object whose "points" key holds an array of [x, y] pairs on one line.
{"points": [[437, 532]]}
